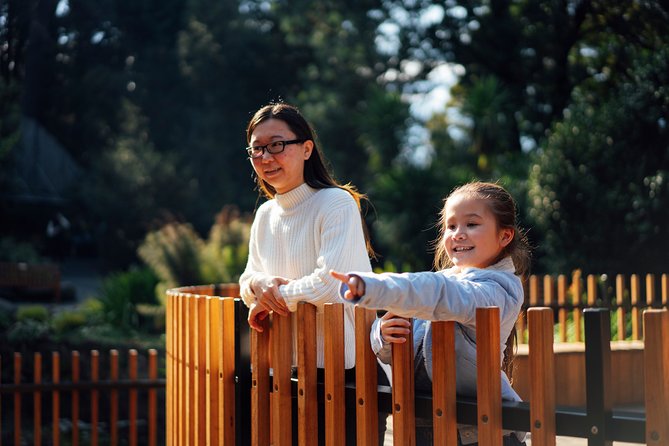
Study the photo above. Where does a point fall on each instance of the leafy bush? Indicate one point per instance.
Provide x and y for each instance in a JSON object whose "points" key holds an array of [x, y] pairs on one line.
{"points": [[28, 330], [68, 321], [37, 313], [14, 251], [121, 292], [179, 257]]}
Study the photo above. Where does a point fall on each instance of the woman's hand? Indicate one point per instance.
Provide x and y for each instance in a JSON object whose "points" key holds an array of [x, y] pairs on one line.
{"points": [[356, 286], [257, 314], [266, 291], [394, 329]]}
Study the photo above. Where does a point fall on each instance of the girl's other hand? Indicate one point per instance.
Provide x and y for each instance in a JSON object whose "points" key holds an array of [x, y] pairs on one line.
{"points": [[356, 286], [394, 329], [257, 314], [266, 291]]}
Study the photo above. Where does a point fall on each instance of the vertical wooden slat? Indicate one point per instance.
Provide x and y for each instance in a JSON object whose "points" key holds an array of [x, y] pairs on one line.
{"points": [[656, 376], [542, 376], [95, 396], [260, 410], [335, 432], [190, 371], [113, 397], [200, 430], [592, 290], [307, 396], [549, 292], [169, 363], [650, 290], [181, 417], [620, 313], [132, 396], [635, 291], [76, 374], [153, 398], [443, 383], [37, 399], [489, 386], [534, 290], [562, 301], [281, 349], [366, 380], [17, 400], [213, 337], [577, 290], [227, 376], [404, 421], [55, 399], [665, 290]]}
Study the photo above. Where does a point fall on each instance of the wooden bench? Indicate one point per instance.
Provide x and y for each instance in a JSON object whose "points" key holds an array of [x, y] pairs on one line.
{"points": [[31, 277]]}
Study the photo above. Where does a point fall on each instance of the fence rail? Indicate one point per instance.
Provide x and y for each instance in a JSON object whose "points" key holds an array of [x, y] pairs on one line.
{"points": [[54, 389], [220, 391]]}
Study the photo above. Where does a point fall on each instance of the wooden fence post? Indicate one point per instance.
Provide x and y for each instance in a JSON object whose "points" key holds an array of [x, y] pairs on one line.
{"points": [[281, 350], [307, 390], [260, 408], [366, 380], [656, 375], [335, 403], [542, 376], [443, 383], [598, 373], [488, 383], [404, 418]]}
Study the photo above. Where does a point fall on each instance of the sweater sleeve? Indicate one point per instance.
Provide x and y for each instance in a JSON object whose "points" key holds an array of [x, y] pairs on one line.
{"points": [[341, 247], [437, 296], [253, 266]]}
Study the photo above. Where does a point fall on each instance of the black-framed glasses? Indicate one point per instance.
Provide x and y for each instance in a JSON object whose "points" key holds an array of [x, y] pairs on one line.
{"points": [[272, 148]]}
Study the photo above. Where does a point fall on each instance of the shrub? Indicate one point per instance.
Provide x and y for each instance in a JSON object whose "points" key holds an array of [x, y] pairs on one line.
{"points": [[68, 321], [121, 292], [37, 313]]}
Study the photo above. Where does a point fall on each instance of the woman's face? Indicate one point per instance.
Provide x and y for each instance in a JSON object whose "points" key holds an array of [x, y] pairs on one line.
{"points": [[283, 171]]}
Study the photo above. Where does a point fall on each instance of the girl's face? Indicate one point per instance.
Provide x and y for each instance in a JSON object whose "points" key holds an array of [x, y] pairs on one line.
{"points": [[471, 235], [283, 171]]}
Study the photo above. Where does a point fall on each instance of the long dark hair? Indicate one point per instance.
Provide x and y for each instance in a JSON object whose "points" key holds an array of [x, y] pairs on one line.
{"points": [[316, 171], [504, 209]]}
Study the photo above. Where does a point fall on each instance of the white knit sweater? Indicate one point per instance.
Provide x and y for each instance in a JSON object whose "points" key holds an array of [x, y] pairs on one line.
{"points": [[302, 235]]}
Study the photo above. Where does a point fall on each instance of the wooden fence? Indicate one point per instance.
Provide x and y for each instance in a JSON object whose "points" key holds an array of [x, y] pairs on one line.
{"points": [[220, 392], [625, 296], [121, 395]]}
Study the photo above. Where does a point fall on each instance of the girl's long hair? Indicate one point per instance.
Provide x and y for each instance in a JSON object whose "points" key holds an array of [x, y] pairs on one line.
{"points": [[503, 207], [316, 169]]}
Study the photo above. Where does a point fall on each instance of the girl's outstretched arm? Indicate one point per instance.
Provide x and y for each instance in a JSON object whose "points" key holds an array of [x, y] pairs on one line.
{"points": [[355, 284]]}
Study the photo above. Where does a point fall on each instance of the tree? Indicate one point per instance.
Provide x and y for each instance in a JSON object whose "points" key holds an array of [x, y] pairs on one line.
{"points": [[599, 189]]}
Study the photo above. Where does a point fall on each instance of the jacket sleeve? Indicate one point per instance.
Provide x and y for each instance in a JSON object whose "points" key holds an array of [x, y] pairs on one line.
{"points": [[381, 348], [435, 295]]}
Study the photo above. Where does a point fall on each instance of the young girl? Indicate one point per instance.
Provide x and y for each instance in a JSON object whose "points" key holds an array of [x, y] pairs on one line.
{"points": [[484, 252]]}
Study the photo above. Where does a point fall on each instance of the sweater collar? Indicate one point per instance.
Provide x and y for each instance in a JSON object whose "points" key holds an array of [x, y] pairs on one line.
{"points": [[295, 197], [505, 265]]}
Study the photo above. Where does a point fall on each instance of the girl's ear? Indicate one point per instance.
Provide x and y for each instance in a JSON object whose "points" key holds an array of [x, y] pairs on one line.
{"points": [[506, 236], [308, 148]]}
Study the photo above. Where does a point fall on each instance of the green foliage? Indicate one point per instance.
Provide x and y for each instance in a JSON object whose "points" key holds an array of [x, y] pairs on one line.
{"points": [[38, 313], [599, 189], [15, 251], [28, 330], [179, 257], [226, 250], [121, 292], [68, 321]]}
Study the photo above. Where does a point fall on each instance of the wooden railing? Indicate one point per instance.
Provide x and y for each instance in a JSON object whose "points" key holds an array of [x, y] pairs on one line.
{"points": [[89, 394], [626, 296], [220, 392]]}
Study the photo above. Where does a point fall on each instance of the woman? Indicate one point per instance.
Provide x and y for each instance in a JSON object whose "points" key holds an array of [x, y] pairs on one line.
{"points": [[309, 225]]}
